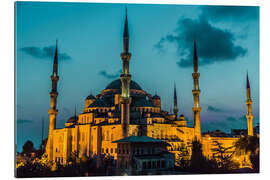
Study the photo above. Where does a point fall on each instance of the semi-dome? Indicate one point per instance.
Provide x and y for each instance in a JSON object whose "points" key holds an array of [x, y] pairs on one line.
{"points": [[116, 84], [143, 103], [155, 97], [100, 103], [90, 97], [72, 119]]}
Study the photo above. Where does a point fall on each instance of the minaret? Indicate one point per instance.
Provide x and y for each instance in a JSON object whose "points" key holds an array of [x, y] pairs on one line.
{"points": [[249, 115], [175, 108], [196, 96], [53, 111], [125, 77], [53, 94]]}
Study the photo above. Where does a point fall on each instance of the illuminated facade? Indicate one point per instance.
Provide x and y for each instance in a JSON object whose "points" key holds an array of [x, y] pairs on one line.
{"points": [[124, 109]]}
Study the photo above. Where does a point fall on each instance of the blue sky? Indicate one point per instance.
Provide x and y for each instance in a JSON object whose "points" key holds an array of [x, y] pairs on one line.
{"points": [[161, 36]]}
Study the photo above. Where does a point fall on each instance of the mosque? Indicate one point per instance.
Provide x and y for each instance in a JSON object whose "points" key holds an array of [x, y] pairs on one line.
{"points": [[122, 110]]}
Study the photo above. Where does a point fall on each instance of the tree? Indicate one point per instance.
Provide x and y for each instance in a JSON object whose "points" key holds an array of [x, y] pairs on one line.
{"points": [[39, 167], [28, 148], [198, 162], [197, 157], [182, 160], [224, 155], [249, 145]]}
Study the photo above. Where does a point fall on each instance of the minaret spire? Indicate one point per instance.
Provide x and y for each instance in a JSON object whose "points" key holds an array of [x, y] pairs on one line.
{"points": [[75, 112], [195, 58], [53, 94], [196, 96], [175, 108], [249, 114], [55, 61], [53, 111], [248, 87], [125, 78], [126, 35]]}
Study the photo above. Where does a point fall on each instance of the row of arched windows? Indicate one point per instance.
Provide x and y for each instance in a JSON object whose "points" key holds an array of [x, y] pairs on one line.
{"points": [[107, 136]]}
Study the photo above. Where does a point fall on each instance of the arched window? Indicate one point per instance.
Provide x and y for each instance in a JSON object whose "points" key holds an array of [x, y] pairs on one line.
{"points": [[107, 136], [162, 134], [102, 137], [112, 137]]}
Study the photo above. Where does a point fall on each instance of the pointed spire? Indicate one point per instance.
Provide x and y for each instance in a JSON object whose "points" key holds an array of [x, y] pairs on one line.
{"points": [[175, 108], [126, 35], [175, 97], [55, 62], [195, 58], [75, 112], [248, 88], [248, 85]]}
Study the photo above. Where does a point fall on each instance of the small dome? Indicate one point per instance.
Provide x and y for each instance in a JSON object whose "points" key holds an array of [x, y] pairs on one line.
{"points": [[116, 84], [143, 103], [182, 115], [90, 97], [100, 103], [72, 119], [155, 97]]}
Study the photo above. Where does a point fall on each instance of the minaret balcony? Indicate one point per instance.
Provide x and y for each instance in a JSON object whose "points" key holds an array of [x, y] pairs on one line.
{"points": [[125, 100], [196, 109], [53, 94], [53, 111], [125, 76], [125, 56], [54, 78], [196, 75], [249, 101], [196, 92]]}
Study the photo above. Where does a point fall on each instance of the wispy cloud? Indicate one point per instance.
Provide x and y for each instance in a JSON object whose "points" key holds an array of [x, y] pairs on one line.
{"points": [[214, 44], [226, 124], [110, 76], [230, 13], [44, 53], [236, 119], [214, 109]]}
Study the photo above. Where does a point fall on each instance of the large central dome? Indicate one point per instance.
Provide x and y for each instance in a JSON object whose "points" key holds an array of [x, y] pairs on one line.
{"points": [[116, 84]]}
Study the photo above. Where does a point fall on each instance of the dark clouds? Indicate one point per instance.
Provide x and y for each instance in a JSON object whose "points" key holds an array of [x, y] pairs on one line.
{"points": [[214, 109], [230, 13], [21, 121], [236, 119], [110, 76], [44, 53], [213, 44], [226, 124]]}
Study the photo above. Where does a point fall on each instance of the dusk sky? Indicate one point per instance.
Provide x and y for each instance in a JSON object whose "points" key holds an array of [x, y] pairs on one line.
{"points": [[161, 42]]}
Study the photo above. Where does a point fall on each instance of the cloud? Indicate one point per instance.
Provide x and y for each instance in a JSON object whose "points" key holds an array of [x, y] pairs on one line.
{"points": [[110, 76], [20, 121], [236, 119], [213, 109], [230, 118], [225, 124], [214, 44], [230, 13], [44, 53]]}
